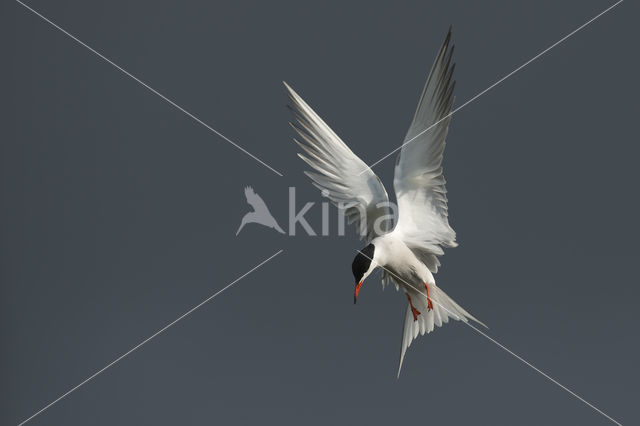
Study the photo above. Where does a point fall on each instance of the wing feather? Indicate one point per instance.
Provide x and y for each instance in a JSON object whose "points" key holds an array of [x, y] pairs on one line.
{"points": [[337, 171], [418, 181]]}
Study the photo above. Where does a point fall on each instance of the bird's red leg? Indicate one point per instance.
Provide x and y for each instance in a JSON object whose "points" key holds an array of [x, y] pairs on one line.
{"points": [[429, 304], [414, 311]]}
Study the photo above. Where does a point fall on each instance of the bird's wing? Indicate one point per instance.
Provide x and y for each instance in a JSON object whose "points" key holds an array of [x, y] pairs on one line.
{"points": [[254, 200], [342, 177], [418, 181]]}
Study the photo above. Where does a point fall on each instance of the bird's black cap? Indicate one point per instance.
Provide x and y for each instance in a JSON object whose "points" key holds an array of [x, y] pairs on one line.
{"points": [[362, 262]]}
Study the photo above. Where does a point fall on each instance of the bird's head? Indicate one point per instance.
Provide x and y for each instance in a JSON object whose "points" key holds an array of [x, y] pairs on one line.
{"points": [[362, 266]]}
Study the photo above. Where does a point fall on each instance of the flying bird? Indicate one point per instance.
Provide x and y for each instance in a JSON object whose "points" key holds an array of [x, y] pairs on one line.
{"points": [[407, 253], [260, 213]]}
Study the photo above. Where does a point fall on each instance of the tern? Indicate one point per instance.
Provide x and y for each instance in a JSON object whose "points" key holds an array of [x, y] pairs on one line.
{"points": [[408, 253]]}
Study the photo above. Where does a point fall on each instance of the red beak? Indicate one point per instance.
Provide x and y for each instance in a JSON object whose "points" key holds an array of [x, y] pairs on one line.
{"points": [[355, 294]]}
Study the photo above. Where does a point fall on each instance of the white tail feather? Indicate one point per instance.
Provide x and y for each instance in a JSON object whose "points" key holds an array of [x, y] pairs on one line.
{"points": [[444, 308]]}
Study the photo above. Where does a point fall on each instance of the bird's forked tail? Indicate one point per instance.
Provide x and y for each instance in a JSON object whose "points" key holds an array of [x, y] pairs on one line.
{"points": [[444, 308]]}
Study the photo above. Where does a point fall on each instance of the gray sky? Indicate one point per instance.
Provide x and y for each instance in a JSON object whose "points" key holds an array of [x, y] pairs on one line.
{"points": [[119, 213]]}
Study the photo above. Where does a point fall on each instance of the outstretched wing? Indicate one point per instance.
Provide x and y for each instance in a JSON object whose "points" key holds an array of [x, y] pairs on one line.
{"points": [[254, 200], [418, 181], [339, 172]]}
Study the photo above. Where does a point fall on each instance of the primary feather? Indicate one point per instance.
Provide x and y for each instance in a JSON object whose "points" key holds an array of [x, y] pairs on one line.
{"points": [[339, 171], [418, 180]]}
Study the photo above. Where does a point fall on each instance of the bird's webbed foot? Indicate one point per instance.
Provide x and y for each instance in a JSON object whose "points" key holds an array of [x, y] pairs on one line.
{"points": [[414, 311]]}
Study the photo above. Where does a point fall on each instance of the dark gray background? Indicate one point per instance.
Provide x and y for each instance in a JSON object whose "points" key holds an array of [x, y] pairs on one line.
{"points": [[119, 213]]}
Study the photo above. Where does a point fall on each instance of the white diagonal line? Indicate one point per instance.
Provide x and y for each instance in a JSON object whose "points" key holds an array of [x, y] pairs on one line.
{"points": [[551, 379], [503, 347], [495, 84], [190, 311], [151, 89]]}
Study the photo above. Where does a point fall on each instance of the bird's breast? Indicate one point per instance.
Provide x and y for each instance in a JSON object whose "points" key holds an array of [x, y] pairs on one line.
{"points": [[399, 260]]}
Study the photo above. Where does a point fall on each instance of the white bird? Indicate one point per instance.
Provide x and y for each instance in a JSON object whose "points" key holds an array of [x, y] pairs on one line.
{"points": [[407, 254]]}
